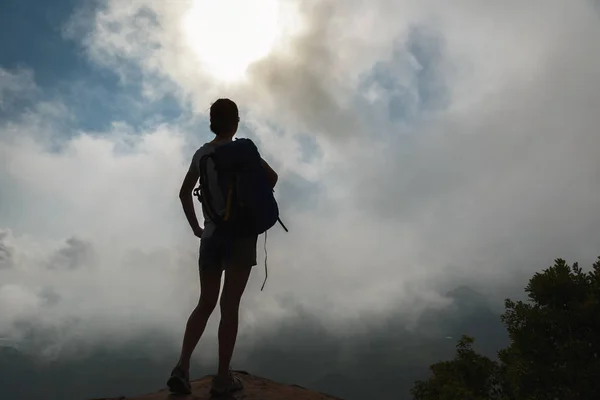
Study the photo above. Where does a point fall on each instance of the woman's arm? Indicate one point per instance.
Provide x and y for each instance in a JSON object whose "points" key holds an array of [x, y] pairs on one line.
{"points": [[187, 201]]}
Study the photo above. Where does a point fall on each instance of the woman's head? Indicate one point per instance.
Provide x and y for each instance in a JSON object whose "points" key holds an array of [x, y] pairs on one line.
{"points": [[224, 117]]}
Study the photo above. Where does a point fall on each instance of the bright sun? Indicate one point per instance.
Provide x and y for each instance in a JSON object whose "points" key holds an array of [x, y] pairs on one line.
{"points": [[228, 35]]}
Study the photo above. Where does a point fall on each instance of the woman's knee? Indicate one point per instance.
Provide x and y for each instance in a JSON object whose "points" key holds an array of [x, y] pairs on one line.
{"points": [[207, 303], [210, 286], [230, 307]]}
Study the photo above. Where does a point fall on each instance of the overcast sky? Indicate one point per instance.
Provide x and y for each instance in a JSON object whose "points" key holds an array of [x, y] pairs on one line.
{"points": [[420, 144]]}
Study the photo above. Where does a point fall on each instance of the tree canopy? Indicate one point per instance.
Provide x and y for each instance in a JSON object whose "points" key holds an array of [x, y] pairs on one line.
{"points": [[553, 352]]}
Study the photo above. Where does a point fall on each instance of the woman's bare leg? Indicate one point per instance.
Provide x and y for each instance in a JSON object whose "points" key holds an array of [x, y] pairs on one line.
{"points": [[210, 285], [236, 279]]}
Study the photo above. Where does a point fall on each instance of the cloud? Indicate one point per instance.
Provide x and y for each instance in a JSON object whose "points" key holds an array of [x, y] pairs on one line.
{"points": [[14, 85], [76, 254], [449, 144], [6, 250]]}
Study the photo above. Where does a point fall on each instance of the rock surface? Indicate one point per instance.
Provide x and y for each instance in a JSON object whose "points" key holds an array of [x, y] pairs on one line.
{"points": [[255, 388]]}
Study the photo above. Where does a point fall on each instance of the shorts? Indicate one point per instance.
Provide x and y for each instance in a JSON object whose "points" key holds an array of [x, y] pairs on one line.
{"points": [[217, 255]]}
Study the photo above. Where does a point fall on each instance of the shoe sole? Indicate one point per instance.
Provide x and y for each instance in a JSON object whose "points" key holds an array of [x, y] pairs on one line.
{"points": [[177, 386]]}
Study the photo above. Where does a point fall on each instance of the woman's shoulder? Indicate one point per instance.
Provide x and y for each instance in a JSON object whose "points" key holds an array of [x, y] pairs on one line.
{"points": [[205, 149]]}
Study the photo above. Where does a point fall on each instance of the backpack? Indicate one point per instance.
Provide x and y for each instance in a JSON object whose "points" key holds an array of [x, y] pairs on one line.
{"points": [[251, 208]]}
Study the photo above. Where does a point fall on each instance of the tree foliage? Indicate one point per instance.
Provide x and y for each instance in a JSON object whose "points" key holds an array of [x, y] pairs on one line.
{"points": [[554, 350], [469, 376]]}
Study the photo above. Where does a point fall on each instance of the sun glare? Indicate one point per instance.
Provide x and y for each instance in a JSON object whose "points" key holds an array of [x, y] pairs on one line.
{"points": [[228, 35]]}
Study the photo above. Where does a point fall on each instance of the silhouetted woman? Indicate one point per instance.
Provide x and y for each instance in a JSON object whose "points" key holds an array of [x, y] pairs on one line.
{"points": [[237, 264]]}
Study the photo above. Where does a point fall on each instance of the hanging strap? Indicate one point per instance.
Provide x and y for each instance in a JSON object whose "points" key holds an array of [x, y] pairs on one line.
{"points": [[282, 225], [266, 271], [267, 255]]}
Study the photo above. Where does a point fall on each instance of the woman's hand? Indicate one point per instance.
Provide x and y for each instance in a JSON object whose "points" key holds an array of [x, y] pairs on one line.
{"points": [[198, 232]]}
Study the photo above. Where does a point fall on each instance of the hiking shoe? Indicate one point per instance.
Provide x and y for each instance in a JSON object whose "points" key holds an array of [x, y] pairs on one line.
{"points": [[179, 382], [221, 387]]}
